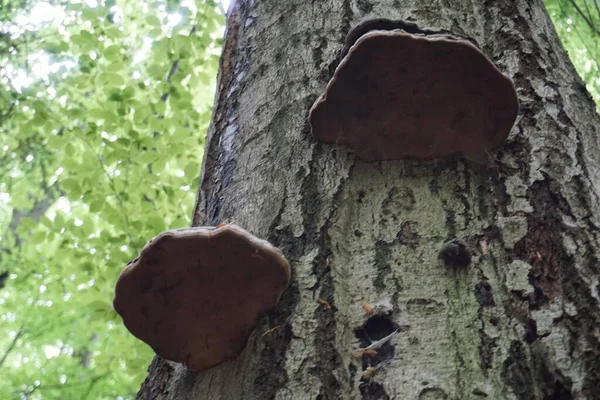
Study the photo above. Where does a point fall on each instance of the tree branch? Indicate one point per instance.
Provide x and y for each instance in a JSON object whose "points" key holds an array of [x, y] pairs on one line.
{"points": [[585, 18], [39, 207], [11, 346]]}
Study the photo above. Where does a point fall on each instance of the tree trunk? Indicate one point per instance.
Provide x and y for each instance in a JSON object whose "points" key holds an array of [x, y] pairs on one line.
{"points": [[521, 322]]}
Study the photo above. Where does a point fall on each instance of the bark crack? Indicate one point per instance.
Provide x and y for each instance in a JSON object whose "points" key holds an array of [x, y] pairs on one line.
{"points": [[329, 360], [207, 209]]}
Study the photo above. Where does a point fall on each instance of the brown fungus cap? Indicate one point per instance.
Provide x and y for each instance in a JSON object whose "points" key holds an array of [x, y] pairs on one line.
{"points": [[399, 95], [194, 294]]}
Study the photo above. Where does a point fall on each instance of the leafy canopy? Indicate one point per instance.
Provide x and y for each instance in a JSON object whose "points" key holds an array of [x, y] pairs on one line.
{"points": [[103, 110], [578, 25]]}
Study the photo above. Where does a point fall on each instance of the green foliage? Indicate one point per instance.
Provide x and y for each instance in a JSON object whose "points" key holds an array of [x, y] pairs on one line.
{"points": [[578, 25], [103, 111]]}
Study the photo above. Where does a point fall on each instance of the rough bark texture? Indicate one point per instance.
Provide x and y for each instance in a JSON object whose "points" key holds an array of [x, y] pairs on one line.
{"points": [[521, 322]]}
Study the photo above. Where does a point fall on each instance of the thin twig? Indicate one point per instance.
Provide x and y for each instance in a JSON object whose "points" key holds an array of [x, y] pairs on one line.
{"points": [[597, 7], [585, 18], [12, 345], [576, 30]]}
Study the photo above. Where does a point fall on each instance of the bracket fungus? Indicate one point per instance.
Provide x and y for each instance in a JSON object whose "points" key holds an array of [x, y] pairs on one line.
{"points": [[400, 92], [194, 294]]}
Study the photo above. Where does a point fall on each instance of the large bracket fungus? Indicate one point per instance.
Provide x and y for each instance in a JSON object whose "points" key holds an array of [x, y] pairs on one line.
{"points": [[194, 294], [400, 92]]}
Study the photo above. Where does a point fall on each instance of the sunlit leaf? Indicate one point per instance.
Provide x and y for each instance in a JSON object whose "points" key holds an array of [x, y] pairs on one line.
{"points": [[192, 170], [153, 20]]}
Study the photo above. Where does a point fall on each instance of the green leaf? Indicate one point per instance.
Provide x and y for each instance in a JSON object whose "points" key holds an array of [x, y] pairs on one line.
{"points": [[47, 222], [71, 185], [59, 221], [156, 223], [128, 92], [87, 35], [90, 13], [159, 165], [192, 170], [111, 78], [153, 20], [148, 157], [115, 95], [160, 107], [115, 33], [38, 237], [96, 205], [55, 142], [96, 113], [157, 71], [112, 52]]}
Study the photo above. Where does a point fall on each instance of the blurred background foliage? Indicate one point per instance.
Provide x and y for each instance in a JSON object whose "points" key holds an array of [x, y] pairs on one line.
{"points": [[104, 105], [578, 25]]}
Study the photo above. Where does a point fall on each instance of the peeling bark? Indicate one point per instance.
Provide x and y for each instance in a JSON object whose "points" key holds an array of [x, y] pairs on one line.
{"points": [[520, 322]]}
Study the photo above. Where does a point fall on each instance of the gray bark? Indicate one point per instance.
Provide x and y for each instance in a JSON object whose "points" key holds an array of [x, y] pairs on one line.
{"points": [[521, 322]]}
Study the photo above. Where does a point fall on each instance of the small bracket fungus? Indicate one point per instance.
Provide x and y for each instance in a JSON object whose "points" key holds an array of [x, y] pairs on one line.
{"points": [[455, 254], [194, 294], [400, 92]]}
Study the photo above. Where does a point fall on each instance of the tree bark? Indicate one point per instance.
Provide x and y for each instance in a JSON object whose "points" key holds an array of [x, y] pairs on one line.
{"points": [[521, 322]]}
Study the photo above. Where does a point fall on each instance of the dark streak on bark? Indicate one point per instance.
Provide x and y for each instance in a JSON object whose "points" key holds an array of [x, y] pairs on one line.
{"points": [[383, 251], [408, 235], [484, 295], [465, 195], [554, 275], [271, 375], [519, 147], [207, 203], [592, 231], [372, 391], [483, 191], [364, 6], [347, 16], [450, 219], [518, 309], [460, 366], [345, 24], [310, 205], [551, 383], [543, 237], [329, 359], [317, 57], [519, 150], [487, 347], [160, 374], [584, 325], [517, 374]]}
